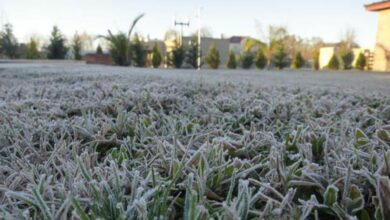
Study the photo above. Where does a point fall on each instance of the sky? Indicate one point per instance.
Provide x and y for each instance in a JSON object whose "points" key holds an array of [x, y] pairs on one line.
{"points": [[327, 19]]}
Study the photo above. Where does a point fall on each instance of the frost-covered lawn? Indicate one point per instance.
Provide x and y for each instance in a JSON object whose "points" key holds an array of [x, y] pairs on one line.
{"points": [[88, 142]]}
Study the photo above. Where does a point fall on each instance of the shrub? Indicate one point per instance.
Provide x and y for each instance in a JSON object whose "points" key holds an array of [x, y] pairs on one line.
{"points": [[77, 46], [232, 60], [32, 51], [212, 58], [298, 61], [246, 60], [56, 48], [176, 57], [316, 60], [138, 52], [192, 54], [260, 59], [99, 50], [361, 62], [279, 58], [156, 57], [346, 57], [334, 63]]}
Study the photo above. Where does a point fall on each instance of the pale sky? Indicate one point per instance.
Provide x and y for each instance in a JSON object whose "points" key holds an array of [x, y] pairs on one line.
{"points": [[327, 19]]}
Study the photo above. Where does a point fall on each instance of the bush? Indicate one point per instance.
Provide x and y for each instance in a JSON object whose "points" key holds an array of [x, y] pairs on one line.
{"points": [[99, 50], [316, 60], [138, 52], [56, 48], [232, 60], [361, 62], [246, 60], [212, 58], [298, 61], [176, 57], [192, 54], [260, 59], [279, 58], [347, 59], [77, 46], [156, 57], [32, 49], [334, 63]]}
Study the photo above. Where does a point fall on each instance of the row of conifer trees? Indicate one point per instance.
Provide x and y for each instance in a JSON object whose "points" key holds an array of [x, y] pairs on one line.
{"points": [[246, 60]]}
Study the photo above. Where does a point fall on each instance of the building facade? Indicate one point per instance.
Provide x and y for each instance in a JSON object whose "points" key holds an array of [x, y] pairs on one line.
{"points": [[381, 59], [222, 46], [327, 52]]}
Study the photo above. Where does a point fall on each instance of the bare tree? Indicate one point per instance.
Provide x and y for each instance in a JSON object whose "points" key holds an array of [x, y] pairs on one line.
{"points": [[171, 34], [349, 38]]}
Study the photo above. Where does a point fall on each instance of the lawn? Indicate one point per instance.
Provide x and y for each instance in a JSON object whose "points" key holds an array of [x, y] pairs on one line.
{"points": [[89, 142]]}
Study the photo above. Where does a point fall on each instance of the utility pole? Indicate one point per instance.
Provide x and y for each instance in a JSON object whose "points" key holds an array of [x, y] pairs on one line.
{"points": [[199, 39], [182, 24]]}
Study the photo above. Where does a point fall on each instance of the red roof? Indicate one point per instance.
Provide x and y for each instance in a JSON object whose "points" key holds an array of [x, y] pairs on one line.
{"points": [[378, 6]]}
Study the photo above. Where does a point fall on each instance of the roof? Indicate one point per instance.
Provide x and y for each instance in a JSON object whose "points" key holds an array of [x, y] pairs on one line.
{"points": [[236, 39], [150, 44], [339, 44], [378, 6]]}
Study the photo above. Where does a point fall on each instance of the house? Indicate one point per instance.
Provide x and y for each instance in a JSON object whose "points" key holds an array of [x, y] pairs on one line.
{"points": [[326, 53], [328, 50], [381, 59], [237, 44], [149, 45], [94, 58], [222, 46]]}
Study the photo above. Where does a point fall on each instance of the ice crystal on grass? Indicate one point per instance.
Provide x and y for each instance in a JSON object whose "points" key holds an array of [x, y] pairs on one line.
{"points": [[109, 143]]}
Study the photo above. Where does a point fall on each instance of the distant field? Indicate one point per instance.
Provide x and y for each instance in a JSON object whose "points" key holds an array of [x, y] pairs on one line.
{"points": [[88, 142]]}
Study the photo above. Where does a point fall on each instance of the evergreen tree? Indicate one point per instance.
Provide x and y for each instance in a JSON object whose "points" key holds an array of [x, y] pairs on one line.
{"points": [[99, 50], [246, 60], [156, 57], [361, 62], [192, 53], [138, 52], [32, 51], [8, 42], [334, 63], [347, 58], [77, 46], [177, 56], [279, 58], [298, 61], [232, 60], [212, 58], [260, 59], [316, 60], [56, 48]]}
